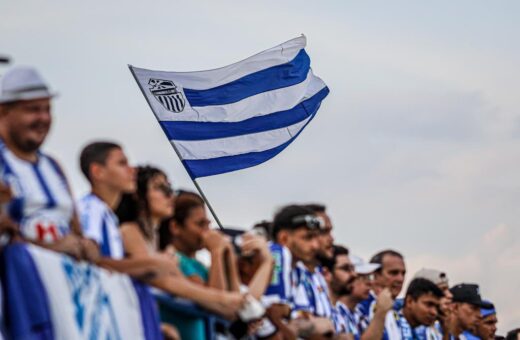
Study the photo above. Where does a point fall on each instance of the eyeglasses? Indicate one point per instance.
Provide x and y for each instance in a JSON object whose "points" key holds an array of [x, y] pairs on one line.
{"points": [[346, 268], [165, 189]]}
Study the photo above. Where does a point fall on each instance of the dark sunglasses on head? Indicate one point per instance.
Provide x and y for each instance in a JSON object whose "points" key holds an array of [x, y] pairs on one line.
{"points": [[309, 221]]}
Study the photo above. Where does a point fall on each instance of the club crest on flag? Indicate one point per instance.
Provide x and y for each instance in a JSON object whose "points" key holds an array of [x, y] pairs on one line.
{"points": [[166, 92]]}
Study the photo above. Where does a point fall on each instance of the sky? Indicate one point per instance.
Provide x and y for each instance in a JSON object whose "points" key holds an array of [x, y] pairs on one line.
{"points": [[416, 148]]}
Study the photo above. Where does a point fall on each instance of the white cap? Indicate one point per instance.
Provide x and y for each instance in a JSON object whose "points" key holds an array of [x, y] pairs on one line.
{"points": [[433, 275], [23, 83], [362, 267]]}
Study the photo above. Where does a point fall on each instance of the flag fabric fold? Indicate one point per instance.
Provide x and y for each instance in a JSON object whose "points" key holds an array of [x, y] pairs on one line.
{"points": [[237, 116]]}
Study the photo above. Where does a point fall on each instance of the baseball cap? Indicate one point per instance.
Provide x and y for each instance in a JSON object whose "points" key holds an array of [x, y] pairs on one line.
{"points": [[488, 311], [469, 293], [23, 83], [433, 275], [362, 267]]}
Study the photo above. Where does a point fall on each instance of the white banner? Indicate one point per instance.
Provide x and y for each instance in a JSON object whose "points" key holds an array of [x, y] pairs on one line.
{"points": [[87, 302]]}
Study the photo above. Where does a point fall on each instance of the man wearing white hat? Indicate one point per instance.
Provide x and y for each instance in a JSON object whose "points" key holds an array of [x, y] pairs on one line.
{"points": [[41, 204], [349, 307]]}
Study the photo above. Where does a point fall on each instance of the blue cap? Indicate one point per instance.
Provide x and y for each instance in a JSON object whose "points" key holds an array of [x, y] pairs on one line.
{"points": [[488, 311]]}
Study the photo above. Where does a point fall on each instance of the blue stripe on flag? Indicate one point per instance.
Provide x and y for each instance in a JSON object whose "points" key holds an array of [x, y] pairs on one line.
{"points": [[214, 166], [184, 130], [27, 303], [272, 78]]}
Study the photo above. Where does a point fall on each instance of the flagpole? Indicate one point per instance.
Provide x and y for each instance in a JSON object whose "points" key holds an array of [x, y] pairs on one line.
{"points": [[179, 155]]}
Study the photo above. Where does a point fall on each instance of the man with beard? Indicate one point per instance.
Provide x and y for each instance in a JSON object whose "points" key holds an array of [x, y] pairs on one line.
{"points": [[313, 293], [295, 231], [421, 306], [466, 307], [389, 277], [349, 304], [339, 274], [41, 204]]}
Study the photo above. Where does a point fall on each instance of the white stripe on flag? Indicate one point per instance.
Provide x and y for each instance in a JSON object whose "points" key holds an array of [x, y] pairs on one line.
{"points": [[201, 80], [255, 142]]}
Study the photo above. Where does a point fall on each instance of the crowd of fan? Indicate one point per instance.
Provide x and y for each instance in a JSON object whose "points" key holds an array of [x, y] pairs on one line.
{"points": [[283, 279]]}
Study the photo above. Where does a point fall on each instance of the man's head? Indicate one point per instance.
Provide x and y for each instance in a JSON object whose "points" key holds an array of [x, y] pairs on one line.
{"points": [[391, 273], [441, 280], [365, 275], [466, 305], [25, 109], [339, 271], [487, 325], [325, 238], [296, 227], [422, 302], [105, 164]]}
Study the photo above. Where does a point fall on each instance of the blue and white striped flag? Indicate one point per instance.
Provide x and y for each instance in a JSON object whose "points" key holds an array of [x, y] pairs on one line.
{"points": [[237, 116]]}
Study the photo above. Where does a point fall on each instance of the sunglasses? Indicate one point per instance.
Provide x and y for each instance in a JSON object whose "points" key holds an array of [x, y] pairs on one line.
{"points": [[309, 221], [165, 189]]}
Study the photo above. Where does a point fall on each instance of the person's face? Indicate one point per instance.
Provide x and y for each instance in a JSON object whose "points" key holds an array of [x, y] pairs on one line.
{"points": [[446, 300], [392, 274], [487, 327], [303, 244], [424, 310], [27, 123], [191, 233], [361, 287], [160, 197], [325, 238], [343, 276], [467, 315], [116, 172]]}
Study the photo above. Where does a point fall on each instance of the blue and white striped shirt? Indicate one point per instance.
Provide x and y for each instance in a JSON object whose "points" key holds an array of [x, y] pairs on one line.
{"points": [[42, 204], [280, 289], [100, 224]]}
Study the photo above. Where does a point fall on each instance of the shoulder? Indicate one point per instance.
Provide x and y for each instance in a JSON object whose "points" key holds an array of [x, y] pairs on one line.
{"points": [[53, 163], [131, 229]]}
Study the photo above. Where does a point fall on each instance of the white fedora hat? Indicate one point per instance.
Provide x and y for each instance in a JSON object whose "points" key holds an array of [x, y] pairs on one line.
{"points": [[23, 83]]}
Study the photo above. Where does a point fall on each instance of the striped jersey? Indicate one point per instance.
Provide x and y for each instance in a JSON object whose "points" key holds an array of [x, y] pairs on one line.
{"points": [[42, 204], [352, 319], [311, 293], [100, 224], [392, 329], [281, 287]]}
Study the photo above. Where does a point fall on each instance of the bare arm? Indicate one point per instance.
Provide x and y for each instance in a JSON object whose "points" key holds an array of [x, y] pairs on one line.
{"points": [[223, 273], [260, 281]]}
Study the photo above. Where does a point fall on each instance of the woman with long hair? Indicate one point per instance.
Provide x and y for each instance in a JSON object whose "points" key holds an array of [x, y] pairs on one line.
{"points": [[140, 215]]}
